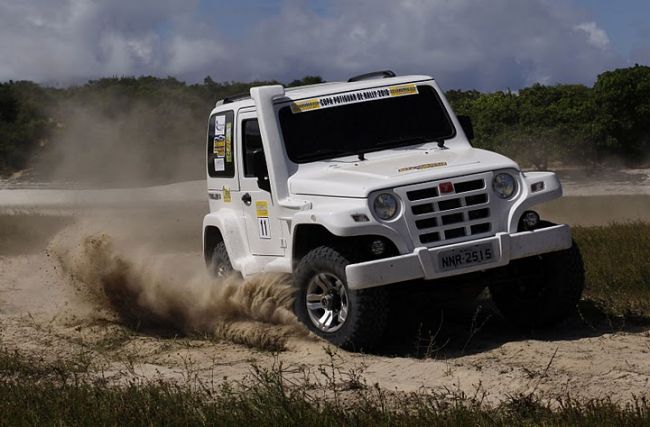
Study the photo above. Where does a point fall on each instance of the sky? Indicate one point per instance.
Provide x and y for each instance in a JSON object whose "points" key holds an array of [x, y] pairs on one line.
{"points": [[465, 44]]}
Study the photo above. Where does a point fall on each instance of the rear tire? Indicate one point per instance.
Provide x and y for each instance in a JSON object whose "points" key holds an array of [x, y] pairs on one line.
{"points": [[545, 289], [220, 265], [353, 320]]}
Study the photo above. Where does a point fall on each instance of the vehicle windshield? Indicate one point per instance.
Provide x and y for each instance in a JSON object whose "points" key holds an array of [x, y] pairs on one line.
{"points": [[318, 129]]}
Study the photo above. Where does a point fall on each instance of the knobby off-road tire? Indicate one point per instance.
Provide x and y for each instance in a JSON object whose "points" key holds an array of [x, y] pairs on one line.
{"points": [[545, 289], [319, 277], [220, 265]]}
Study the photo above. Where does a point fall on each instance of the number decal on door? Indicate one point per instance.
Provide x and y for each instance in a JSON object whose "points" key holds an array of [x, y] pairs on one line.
{"points": [[262, 213], [264, 228]]}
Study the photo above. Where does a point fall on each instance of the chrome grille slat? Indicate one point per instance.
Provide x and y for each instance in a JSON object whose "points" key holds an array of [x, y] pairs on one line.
{"points": [[455, 196], [438, 213], [466, 224], [454, 226]]}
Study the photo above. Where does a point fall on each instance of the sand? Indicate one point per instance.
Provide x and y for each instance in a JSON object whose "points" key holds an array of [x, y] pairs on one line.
{"points": [[88, 272]]}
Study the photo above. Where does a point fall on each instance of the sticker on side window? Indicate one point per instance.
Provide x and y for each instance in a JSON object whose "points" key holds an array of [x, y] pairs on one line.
{"points": [[219, 165], [219, 125], [220, 147], [219, 142], [353, 97], [229, 142]]}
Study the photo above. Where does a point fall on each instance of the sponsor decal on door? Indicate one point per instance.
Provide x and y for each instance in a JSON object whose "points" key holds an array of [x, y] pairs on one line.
{"points": [[263, 224]]}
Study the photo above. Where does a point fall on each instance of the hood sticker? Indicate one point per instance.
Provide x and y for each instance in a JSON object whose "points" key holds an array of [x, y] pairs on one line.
{"points": [[422, 166], [353, 97]]}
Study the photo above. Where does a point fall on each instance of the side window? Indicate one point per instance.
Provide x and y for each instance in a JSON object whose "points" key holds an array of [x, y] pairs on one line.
{"points": [[254, 159], [252, 140], [221, 162]]}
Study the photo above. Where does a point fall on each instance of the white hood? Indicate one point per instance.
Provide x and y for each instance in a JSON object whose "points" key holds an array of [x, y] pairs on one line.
{"points": [[350, 177]]}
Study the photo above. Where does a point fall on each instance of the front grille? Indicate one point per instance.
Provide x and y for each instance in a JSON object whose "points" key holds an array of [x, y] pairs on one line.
{"points": [[435, 218]]}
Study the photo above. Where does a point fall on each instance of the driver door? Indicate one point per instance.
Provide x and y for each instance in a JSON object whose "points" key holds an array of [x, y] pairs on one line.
{"points": [[263, 228]]}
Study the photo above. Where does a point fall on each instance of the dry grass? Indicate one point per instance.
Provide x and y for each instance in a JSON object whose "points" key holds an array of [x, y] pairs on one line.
{"points": [[617, 264], [33, 392]]}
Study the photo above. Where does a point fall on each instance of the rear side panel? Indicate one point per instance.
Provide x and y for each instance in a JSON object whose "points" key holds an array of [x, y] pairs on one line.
{"points": [[220, 155]]}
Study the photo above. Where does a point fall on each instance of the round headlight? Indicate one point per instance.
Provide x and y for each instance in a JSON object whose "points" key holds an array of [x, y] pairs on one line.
{"points": [[385, 206], [504, 185]]}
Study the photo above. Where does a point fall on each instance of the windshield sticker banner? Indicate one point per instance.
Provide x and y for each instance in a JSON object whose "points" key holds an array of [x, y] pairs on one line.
{"points": [[353, 97], [422, 166]]}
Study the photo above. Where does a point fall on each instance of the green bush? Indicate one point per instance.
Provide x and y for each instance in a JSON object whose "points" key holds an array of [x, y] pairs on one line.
{"points": [[165, 119]]}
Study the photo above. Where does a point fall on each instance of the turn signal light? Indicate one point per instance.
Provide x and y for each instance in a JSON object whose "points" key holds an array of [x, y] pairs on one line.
{"points": [[538, 186], [360, 218]]}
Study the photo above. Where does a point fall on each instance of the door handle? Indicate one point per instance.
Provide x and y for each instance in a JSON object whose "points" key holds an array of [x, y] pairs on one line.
{"points": [[246, 198]]}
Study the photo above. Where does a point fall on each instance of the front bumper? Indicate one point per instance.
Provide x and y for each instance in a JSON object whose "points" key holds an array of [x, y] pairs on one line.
{"points": [[422, 262]]}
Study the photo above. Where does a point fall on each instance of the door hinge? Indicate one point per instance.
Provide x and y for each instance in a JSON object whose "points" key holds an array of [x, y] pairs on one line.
{"points": [[283, 243]]}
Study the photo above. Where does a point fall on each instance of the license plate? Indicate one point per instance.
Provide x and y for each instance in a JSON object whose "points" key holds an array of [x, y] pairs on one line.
{"points": [[466, 257]]}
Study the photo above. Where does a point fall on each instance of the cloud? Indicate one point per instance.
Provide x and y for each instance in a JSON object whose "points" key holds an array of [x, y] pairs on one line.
{"points": [[464, 43], [596, 36], [80, 39], [507, 43]]}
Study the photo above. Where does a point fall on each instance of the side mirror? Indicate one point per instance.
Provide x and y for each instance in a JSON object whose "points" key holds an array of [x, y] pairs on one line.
{"points": [[261, 170], [466, 124]]}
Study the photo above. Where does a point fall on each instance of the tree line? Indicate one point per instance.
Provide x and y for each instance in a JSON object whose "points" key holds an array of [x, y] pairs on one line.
{"points": [[572, 124], [165, 118]]}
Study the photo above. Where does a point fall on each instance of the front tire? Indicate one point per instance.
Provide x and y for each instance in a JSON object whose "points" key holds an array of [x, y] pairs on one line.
{"points": [[545, 289], [354, 320]]}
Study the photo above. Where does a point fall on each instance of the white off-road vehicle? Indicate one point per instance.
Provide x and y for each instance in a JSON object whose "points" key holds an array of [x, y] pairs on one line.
{"points": [[366, 187]]}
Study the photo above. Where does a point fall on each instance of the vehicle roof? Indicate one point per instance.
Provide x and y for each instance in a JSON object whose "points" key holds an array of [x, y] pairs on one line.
{"points": [[320, 89]]}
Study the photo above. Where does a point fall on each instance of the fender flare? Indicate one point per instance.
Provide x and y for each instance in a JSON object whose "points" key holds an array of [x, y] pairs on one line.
{"points": [[551, 189], [232, 228]]}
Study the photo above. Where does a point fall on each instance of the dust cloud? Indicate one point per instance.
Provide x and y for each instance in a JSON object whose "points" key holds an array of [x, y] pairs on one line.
{"points": [[170, 292], [114, 142]]}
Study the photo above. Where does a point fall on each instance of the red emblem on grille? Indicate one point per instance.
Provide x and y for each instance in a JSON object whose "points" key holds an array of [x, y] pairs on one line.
{"points": [[446, 187]]}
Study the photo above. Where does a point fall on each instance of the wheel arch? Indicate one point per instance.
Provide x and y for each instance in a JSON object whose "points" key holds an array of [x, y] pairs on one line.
{"points": [[307, 237], [212, 236], [225, 226]]}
